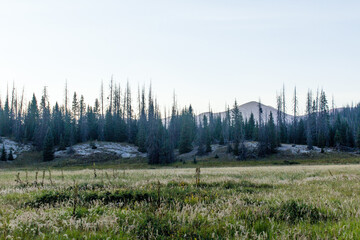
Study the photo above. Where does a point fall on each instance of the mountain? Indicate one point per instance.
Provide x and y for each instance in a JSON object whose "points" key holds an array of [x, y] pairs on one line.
{"points": [[248, 108]]}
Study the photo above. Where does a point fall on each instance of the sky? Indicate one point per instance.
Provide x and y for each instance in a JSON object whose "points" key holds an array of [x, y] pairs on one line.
{"points": [[208, 52]]}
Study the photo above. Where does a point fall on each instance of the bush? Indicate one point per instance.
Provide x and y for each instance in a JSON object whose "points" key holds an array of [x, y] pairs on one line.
{"points": [[93, 145], [294, 212]]}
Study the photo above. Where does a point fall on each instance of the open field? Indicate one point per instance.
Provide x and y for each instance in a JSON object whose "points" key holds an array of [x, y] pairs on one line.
{"points": [[34, 161], [266, 202]]}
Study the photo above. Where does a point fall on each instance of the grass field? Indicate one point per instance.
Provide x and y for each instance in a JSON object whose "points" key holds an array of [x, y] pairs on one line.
{"points": [[254, 202]]}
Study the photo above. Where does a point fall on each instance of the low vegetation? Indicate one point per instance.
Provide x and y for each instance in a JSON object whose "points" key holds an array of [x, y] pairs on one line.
{"points": [[273, 202]]}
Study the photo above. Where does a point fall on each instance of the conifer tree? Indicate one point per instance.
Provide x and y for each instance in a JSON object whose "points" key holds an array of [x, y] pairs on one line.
{"points": [[207, 136], [237, 126], [262, 137], [358, 138], [227, 129], [5, 121], [141, 135], [272, 134], [185, 139], [186, 136], [75, 106], [167, 150], [301, 133], [10, 156], [31, 119], [62, 145], [323, 121], [337, 139], [48, 149], [250, 130], [44, 123], [3, 153]]}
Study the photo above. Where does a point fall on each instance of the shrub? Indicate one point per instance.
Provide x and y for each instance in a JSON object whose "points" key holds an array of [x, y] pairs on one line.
{"points": [[293, 212]]}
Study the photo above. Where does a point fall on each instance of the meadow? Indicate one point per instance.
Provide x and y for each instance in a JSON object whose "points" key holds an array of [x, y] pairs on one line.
{"points": [[257, 202]]}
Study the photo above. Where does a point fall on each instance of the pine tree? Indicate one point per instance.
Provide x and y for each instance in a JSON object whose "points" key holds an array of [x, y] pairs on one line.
{"points": [[250, 134], [83, 128], [186, 135], [167, 150], [11, 156], [350, 141], [31, 119], [237, 126], [337, 139], [227, 130], [141, 135], [57, 123], [358, 138], [5, 121], [75, 106], [207, 136], [44, 122], [295, 122], [154, 136], [272, 134], [62, 145], [48, 149], [309, 121], [301, 135], [3, 153], [109, 126], [185, 139], [323, 121], [262, 137]]}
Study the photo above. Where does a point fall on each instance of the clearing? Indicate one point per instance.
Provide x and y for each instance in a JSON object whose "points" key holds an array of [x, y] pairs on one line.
{"points": [[267, 202]]}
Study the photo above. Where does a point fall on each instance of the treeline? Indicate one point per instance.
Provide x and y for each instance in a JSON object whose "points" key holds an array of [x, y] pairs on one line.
{"points": [[114, 118]]}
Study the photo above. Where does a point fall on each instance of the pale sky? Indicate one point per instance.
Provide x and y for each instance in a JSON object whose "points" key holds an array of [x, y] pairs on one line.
{"points": [[207, 51]]}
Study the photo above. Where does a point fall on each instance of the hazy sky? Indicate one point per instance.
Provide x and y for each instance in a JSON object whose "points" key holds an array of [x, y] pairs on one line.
{"points": [[208, 51]]}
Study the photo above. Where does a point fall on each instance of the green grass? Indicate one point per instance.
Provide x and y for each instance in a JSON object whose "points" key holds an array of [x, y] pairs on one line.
{"points": [[234, 200], [33, 161]]}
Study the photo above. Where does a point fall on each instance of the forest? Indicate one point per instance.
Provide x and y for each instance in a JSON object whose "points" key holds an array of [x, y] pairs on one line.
{"points": [[116, 117]]}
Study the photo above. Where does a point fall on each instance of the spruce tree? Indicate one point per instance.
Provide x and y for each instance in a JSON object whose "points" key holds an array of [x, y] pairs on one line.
{"points": [[337, 139], [62, 145], [207, 135], [201, 140], [10, 156], [167, 150], [186, 135], [237, 127], [109, 126], [48, 149], [185, 139], [3, 153], [301, 135], [142, 126], [31, 119], [350, 141], [358, 138], [250, 128], [272, 134]]}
